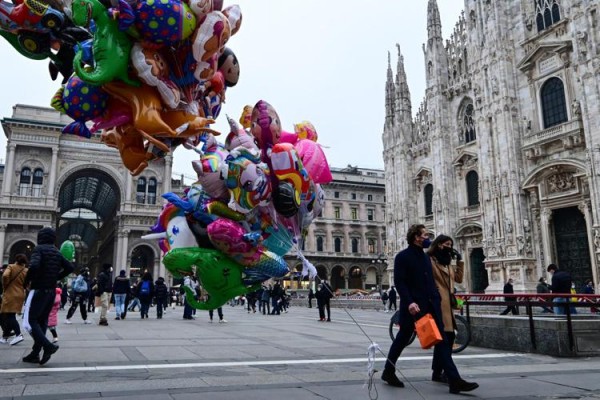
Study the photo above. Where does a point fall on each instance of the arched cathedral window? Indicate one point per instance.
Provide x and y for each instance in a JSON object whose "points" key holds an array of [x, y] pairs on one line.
{"points": [[25, 182], [468, 124], [354, 245], [152, 191], [38, 180], [319, 243], [337, 243], [472, 188], [554, 104], [547, 13], [428, 194]]}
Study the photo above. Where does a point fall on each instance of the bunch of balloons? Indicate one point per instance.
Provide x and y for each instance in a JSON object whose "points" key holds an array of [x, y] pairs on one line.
{"points": [[152, 75], [255, 197]]}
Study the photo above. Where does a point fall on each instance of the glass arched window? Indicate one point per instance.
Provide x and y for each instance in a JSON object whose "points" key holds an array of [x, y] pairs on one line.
{"points": [[547, 13], [468, 124], [472, 188], [38, 180], [428, 194], [554, 104], [354, 245], [152, 191], [140, 195], [338, 245], [25, 182], [319, 243]]}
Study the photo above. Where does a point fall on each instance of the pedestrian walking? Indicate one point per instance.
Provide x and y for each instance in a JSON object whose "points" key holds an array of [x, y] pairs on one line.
{"points": [[187, 308], [413, 277], [53, 317], [219, 313], [79, 296], [384, 300], [13, 297], [265, 299], [311, 296], [104, 290], [561, 283], [91, 303], [47, 266], [121, 289], [441, 252], [145, 292], [161, 294], [324, 295], [392, 299], [543, 288], [511, 307]]}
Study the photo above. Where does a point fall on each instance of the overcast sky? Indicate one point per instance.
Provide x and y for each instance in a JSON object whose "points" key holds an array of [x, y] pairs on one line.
{"points": [[324, 61]]}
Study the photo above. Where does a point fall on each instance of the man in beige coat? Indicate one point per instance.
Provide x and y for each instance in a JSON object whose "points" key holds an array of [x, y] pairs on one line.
{"points": [[13, 297]]}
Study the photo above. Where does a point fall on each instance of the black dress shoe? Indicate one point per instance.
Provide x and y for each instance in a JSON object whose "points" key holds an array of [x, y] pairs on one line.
{"points": [[32, 358], [461, 385], [439, 377], [48, 353], [391, 379]]}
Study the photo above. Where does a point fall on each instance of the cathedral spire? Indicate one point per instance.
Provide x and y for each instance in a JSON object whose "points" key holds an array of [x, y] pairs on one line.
{"points": [[434, 23], [402, 91], [390, 93]]}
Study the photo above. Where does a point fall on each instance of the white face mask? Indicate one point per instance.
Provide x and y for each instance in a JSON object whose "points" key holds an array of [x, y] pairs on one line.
{"points": [[111, 270]]}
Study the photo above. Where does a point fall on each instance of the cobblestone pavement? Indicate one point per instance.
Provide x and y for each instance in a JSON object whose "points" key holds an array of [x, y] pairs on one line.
{"points": [[292, 356]]}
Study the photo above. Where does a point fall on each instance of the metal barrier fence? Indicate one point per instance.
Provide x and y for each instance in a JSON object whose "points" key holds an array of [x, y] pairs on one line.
{"points": [[529, 301]]}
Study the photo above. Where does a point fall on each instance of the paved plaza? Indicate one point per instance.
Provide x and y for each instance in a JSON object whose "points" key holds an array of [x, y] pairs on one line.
{"points": [[292, 356]]}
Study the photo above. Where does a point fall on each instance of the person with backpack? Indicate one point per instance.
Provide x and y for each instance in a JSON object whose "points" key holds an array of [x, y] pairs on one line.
{"points": [[161, 293], [103, 290], [145, 291], [121, 288], [79, 296]]}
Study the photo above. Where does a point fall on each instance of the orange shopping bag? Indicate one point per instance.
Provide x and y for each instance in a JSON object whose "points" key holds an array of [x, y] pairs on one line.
{"points": [[427, 331]]}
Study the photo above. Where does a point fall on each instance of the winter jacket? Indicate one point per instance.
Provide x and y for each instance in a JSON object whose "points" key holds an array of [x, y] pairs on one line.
{"points": [[122, 285], [445, 276], [47, 264], [160, 290], [104, 283], [14, 292]]}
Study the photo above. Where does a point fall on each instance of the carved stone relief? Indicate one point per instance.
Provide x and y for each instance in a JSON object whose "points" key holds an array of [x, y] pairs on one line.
{"points": [[561, 182]]}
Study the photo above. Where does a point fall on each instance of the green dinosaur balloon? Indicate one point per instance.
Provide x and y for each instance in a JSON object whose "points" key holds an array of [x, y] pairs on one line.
{"points": [[111, 47], [67, 249], [221, 277]]}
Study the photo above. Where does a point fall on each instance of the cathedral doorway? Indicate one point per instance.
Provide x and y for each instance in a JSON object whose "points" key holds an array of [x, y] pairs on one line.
{"points": [[21, 247], [571, 243], [479, 275], [338, 278], [88, 202]]}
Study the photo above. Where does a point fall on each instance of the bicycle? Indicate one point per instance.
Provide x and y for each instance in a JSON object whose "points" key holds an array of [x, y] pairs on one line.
{"points": [[463, 331]]}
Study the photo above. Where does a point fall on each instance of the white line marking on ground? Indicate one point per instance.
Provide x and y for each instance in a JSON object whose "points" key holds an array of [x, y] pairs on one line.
{"points": [[238, 364]]}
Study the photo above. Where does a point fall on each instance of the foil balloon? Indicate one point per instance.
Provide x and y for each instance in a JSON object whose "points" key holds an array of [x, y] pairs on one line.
{"points": [[248, 182], [208, 168], [306, 130], [286, 199], [152, 68], [234, 15], [314, 161], [246, 117], [67, 249], [238, 137], [161, 22], [201, 8], [266, 126], [229, 237], [208, 41], [287, 166], [80, 101]]}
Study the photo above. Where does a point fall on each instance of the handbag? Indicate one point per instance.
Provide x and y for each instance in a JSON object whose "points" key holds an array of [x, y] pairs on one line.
{"points": [[427, 331]]}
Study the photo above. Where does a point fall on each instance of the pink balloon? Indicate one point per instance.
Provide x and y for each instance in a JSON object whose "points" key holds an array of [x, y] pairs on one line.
{"points": [[288, 137], [314, 161], [228, 236]]}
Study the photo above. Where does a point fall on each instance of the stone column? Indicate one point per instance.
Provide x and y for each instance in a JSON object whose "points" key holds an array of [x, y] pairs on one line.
{"points": [[345, 282], [9, 171], [119, 245], [124, 250], [363, 282], [584, 207], [52, 176], [168, 171], [546, 217], [128, 184], [2, 238]]}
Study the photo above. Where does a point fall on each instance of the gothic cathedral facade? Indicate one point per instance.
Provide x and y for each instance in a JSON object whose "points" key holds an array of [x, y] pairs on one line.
{"points": [[503, 153]]}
